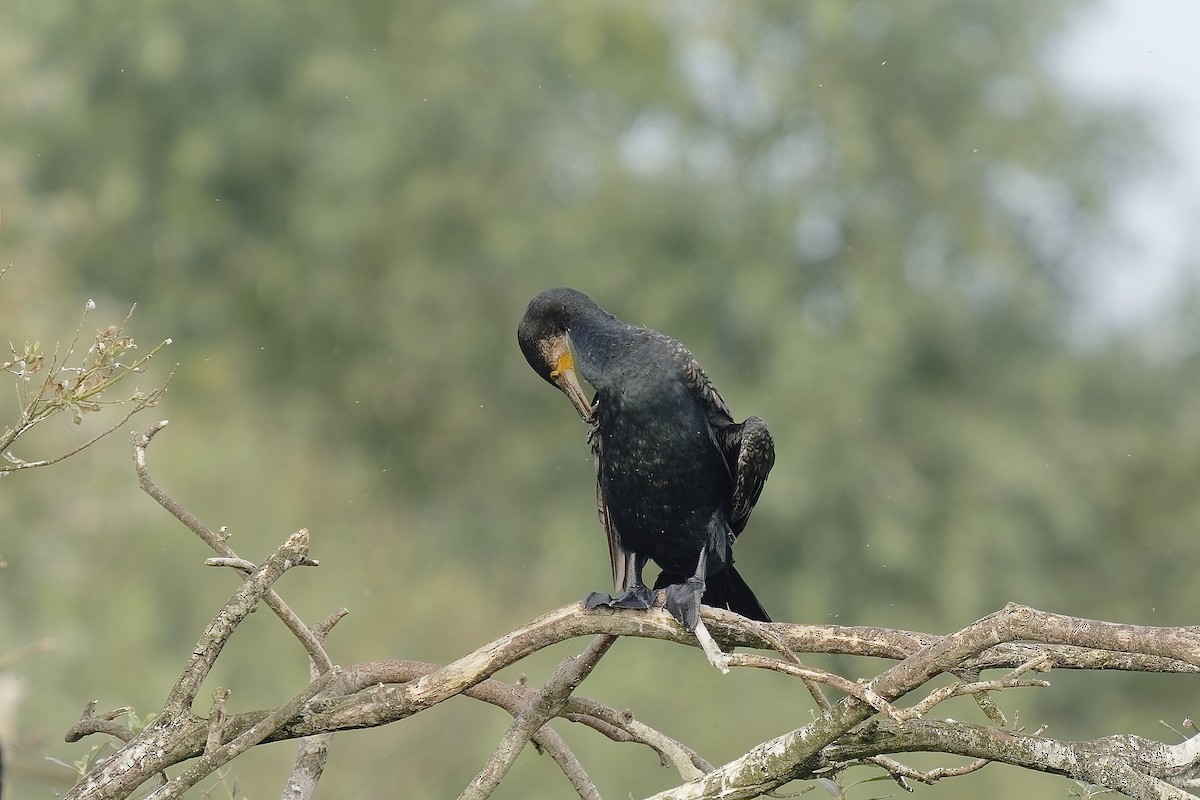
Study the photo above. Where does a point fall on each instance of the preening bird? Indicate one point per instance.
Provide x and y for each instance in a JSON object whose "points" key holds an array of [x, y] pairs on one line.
{"points": [[676, 477]]}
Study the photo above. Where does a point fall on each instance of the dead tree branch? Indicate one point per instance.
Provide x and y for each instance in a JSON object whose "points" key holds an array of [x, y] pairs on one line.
{"points": [[313, 751], [868, 725], [243, 601], [540, 709], [791, 756], [1131, 765], [141, 441], [376, 693]]}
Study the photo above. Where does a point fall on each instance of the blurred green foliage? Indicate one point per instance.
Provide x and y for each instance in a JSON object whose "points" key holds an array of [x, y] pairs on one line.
{"points": [[873, 226]]}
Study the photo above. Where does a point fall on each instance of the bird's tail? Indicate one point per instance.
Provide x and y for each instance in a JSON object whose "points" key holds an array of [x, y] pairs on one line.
{"points": [[724, 589]]}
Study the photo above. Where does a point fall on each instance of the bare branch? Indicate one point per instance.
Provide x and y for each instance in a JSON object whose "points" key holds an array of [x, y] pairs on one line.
{"points": [[814, 688], [89, 723], [943, 694], [244, 600], [358, 700], [375, 705], [311, 755], [216, 721], [731, 631], [210, 761], [818, 676], [674, 753], [1180, 763], [773, 763], [313, 751], [901, 771], [140, 442], [717, 657], [616, 725], [543, 707], [1131, 765], [1017, 638], [240, 564]]}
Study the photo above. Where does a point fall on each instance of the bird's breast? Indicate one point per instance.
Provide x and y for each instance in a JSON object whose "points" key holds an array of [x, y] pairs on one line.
{"points": [[665, 483]]}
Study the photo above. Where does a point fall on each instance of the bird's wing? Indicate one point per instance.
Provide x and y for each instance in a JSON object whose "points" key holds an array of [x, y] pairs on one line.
{"points": [[616, 552], [748, 448], [750, 452], [714, 404]]}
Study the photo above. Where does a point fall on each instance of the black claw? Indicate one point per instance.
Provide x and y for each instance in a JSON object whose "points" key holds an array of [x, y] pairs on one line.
{"points": [[683, 601]]}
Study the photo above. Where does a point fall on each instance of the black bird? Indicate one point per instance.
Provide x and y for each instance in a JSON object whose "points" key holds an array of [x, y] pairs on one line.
{"points": [[676, 477]]}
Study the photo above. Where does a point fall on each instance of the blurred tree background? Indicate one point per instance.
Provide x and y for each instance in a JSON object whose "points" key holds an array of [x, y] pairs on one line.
{"points": [[870, 224]]}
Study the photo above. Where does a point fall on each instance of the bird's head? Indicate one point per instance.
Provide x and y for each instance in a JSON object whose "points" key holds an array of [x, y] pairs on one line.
{"points": [[545, 340]]}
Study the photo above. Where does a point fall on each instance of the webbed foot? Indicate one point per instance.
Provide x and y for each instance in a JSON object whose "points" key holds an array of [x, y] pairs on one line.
{"points": [[683, 601], [635, 597]]}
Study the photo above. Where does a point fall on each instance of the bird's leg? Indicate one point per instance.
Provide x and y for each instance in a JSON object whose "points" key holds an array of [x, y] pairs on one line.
{"points": [[683, 599], [636, 594]]}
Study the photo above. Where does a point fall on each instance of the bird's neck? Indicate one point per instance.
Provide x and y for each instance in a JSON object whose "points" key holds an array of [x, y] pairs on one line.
{"points": [[622, 361], [602, 349]]}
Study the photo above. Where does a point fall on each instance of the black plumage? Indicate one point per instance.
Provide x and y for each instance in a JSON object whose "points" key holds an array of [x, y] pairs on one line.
{"points": [[676, 477]]}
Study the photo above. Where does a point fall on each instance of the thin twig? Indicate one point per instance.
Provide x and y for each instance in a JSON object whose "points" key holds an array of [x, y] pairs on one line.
{"points": [[140, 442], [901, 771], [716, 656], [543, 707], [780, 646], [239, 605], [81, 392], [818, 676], [150, 401], [671, 752], [959, 689], [89, 723]]}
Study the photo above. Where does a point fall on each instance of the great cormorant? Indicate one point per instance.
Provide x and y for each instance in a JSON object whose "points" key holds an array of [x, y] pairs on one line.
{"points": [[676, 477]]}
